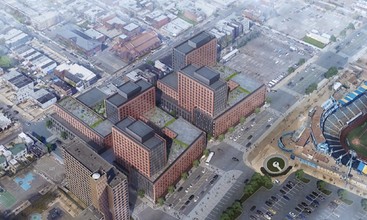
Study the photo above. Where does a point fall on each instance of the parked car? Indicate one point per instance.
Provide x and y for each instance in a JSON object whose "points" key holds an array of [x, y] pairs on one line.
{"points": [[253, 208], [286, 197]]}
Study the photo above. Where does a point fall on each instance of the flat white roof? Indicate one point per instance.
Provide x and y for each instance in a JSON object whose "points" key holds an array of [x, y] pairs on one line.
{"points": [[75, 69]]}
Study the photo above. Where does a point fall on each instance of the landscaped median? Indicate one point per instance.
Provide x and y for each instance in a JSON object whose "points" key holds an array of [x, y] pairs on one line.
{"points": [[255, 183]]}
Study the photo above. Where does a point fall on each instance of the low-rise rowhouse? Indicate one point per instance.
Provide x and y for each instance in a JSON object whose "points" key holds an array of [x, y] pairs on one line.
{"points": [[21, 84]]}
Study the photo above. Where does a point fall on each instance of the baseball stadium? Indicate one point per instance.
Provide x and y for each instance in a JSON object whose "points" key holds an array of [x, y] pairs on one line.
{"points": [[343, 127]]}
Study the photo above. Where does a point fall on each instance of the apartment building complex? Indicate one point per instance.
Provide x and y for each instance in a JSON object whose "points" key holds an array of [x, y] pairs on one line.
{"points": [[96, 182]]}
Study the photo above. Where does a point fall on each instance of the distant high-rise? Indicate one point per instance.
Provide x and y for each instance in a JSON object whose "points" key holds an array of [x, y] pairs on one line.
{"points": [[96, 182], [200, 50]]}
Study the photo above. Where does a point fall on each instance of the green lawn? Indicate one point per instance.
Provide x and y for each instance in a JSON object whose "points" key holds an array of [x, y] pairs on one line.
{"points": [[7, 199], [314, 42], [360, 133]]}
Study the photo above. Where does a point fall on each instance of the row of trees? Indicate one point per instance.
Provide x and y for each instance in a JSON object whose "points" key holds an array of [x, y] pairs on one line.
{"points": [[232, 212], [332, 71]]}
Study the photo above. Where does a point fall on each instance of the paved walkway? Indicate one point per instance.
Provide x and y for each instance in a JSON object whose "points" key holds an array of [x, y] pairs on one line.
{"points": [[212, 198]]}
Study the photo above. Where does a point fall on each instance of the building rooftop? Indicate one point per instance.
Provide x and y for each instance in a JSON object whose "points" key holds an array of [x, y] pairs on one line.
{"points": [[93, 33], [127, 91], [20, 81], [46, 97], [204, 75], [140, 132], [86, 115], [90, 213], [131, 27], [80, 39], [196, 41], [17, 148], [10, 75], [159, 117], [94, 146], [93, 162], [92, 97], [187, 134], [171, 80]]}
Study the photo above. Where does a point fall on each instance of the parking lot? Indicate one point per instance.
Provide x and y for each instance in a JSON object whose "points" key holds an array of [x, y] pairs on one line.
{"points": [[269, 56], [294, 199], [297, 18]]}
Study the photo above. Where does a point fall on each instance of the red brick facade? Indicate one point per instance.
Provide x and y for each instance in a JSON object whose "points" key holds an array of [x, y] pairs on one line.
{"points": [[205, 55], [182, 164], [193, 94], [166, 89], [83, 128], [232, 116], [130, 154], [139, 105]]}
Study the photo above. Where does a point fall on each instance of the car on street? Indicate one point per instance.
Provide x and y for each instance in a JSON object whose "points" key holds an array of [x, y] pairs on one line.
{"points": [[211, 182], [253, 208], [191, 197], [215, 176], [179, 189], [187, 202], [249, 137], [196, 199], [182, 208], [286, 197], [248, 144]]}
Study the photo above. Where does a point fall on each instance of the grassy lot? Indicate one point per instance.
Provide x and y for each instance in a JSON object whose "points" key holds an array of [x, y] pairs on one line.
{"points": [[357, 139], [314, 42]]}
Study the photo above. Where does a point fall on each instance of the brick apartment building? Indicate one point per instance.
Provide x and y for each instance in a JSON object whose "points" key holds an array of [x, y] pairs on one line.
{"points": [[200, 50], [96, 182], [75, 117], [140, 150], [132, 99], [199, 95], [137, 145]]}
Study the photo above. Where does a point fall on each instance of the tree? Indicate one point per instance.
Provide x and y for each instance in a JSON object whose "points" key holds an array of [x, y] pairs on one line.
{"points": [[141, 193], [64, 135], [257, 110], [221, 137], [171, 189], [301, 61], [268, 100], [343, 32], [184, 176], [332, 38], [160, 201], [299, 174], [342, 193], [312, 87], [351, 26], [237, 206], [48, 124], [150, 62], [225, 216], [49, 147], [321, 184], [5, 62], [195, 163], [242, 119], [332, 71], [267, 181], [206, 152], [291, 70], [231, 129], [364, 204]]}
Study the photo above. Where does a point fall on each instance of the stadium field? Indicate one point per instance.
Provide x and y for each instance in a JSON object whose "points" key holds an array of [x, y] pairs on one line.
{"points": [[357, 139]]}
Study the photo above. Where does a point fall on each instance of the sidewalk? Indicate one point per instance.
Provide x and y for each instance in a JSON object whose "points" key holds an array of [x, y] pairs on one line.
{"points": [[213, 197]]}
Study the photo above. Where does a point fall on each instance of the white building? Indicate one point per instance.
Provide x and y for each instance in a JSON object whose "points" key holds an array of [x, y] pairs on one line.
{"points": [[15, 38], [21, 84], [77, 75], [46, 20], [44, 98], [18, 151]]}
